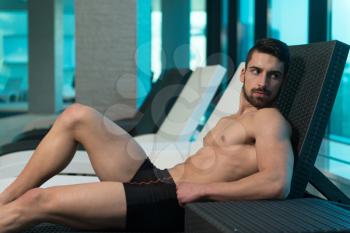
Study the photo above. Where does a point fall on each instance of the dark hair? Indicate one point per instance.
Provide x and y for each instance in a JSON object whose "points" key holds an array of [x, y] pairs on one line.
{"points": [[273, 47]]}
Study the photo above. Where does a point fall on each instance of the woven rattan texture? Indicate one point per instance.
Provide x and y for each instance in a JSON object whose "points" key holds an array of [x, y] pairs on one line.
{"points": [[53, 228], [46, 227], [306, 100], [294, 215]]}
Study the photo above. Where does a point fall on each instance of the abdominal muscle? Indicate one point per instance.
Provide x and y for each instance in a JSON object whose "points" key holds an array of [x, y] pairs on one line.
{"points": [[217, 164]]}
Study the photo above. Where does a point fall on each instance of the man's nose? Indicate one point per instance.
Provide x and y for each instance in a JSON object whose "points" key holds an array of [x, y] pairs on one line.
{"points": [[262, 80]]}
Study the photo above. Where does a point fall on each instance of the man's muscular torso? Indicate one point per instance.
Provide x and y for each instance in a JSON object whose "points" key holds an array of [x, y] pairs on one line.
{"points": [[228, 153]]}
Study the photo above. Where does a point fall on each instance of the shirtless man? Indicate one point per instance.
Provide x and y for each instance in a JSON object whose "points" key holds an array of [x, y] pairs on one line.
{"points": [[247, 156]]}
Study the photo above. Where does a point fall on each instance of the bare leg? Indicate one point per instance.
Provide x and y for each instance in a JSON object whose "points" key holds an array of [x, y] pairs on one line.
{"points": [[114, 155], [86, 206]]}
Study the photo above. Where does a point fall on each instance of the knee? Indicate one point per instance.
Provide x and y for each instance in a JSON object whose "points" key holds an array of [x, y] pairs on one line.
{"points": [[75, 115]]}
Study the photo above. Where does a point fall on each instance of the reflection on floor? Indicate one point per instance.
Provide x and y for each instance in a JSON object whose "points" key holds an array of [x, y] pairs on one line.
{"points": [[334, 160], [335, 157]]}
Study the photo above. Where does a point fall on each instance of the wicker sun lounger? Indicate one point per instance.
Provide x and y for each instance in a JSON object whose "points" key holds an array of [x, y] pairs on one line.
{"points": [[306, 100]]}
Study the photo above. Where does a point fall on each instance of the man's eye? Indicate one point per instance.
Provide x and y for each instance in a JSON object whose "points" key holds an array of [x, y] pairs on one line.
{"points": [[255, 71], [275, 76]]}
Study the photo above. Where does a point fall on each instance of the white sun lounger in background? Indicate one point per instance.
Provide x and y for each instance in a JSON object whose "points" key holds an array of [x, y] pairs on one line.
{"points": [[168, 154], [183, 119]]}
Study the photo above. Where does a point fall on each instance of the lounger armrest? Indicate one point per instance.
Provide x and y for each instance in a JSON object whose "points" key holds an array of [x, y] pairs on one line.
{"points": [[293, 215]]}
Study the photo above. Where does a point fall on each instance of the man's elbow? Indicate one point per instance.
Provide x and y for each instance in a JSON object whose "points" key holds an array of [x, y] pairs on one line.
{"points": [[281, 189], [278, 184]]}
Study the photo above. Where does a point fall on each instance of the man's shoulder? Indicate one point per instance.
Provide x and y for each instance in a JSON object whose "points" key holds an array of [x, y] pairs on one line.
{"points": [[268, 113], [271, 118]]}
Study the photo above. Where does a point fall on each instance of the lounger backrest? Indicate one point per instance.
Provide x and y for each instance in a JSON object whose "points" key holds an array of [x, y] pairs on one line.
{"points": [[191, 105], [306, 100], [227, 105], [173, 81]]}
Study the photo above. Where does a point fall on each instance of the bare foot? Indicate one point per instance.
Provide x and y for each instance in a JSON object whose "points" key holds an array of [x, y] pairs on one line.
{"points": [[8, 219], [14, 216]]}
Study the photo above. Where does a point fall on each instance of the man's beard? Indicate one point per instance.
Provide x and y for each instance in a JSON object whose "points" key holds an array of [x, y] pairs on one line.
{"points": [[258, 102]]}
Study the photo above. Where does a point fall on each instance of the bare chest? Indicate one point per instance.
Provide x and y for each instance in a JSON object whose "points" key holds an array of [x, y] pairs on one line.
{"points": [[230, 132]]}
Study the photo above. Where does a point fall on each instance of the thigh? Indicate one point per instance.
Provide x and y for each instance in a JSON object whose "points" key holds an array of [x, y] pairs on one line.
{"points": [[114, 154], [86, 206]]}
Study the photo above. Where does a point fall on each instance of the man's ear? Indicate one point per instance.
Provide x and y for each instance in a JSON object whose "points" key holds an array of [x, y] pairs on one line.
{"points": [[241, 76]]}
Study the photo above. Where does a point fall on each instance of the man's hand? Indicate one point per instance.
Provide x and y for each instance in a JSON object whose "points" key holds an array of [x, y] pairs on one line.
{"points": [[189, 192]]}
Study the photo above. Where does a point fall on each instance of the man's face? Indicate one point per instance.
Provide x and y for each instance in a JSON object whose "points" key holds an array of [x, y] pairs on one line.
{"points": [[262, 79]]}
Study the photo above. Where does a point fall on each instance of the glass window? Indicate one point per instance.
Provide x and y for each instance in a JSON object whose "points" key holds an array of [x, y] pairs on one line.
{"points": [[245, 28], [198, 40], [340, 121], [156, 39], [68, 52], [288, 21], [13, 56], [335, 156], [198, 21]]}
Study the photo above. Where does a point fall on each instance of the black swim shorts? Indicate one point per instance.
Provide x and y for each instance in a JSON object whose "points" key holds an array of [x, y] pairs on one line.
{"points": [[152, 203]]}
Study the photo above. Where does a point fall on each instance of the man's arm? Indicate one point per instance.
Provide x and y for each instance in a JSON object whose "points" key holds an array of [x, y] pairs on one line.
{"points": [[275, 166]]}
